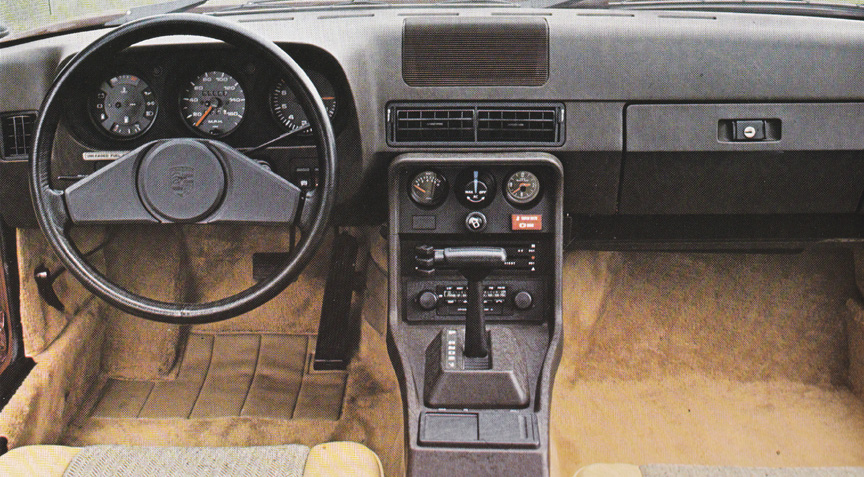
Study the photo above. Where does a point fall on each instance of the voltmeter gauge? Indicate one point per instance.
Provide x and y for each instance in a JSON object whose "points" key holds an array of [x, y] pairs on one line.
{"points": [[428, 189], [522, 188]]}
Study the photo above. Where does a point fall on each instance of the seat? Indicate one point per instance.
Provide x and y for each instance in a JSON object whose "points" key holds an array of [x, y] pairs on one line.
{"points": [[329, 459], [664, 470]]}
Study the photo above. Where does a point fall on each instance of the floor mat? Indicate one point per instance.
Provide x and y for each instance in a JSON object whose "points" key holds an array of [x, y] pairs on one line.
{"points": [[226, 375], [712, 359]]}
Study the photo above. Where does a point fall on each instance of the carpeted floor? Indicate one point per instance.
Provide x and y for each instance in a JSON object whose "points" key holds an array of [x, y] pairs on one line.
{"points": [[719, 359], [223, 375], [716, 359], [244, 381]]}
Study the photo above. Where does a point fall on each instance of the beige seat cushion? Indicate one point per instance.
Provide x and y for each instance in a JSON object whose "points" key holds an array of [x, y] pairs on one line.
{"points": [[609, 470], [333, 458], [348, 459], [36, 460], [667, 470]]}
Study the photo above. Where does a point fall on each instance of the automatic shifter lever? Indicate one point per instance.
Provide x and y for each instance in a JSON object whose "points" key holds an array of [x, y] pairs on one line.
{"points": [[475, 264]]}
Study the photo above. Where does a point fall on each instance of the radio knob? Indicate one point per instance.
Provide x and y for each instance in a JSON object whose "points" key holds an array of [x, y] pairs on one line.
{"points": [[427, 300], [523, 300]]}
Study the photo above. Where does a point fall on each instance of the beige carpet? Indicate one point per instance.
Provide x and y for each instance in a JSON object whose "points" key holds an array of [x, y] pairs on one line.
{"points": [[223, 375], [369, 410], [716, 359]]}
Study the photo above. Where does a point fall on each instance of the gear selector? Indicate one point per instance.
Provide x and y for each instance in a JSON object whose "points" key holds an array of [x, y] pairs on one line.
{"points": [[462, 372], [475, 264]]}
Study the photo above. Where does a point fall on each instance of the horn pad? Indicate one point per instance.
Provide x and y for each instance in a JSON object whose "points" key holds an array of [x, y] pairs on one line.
{"points": [[181, 180]]}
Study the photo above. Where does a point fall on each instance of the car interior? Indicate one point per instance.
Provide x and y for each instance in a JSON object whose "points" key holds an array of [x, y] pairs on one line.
{"points": [[447, 238]]}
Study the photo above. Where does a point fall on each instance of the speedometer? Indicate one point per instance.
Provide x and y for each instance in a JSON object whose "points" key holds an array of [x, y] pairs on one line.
{"points": [[287, 109], [213, 103]]}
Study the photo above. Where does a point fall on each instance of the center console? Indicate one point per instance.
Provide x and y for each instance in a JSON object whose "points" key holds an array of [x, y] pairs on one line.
{"points": [[475, 308]]}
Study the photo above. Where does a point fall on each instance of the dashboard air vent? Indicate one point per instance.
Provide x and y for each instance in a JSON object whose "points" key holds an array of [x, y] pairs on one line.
{"points": [[462, 125], [517, 125], [17, 130], [434, 125]]}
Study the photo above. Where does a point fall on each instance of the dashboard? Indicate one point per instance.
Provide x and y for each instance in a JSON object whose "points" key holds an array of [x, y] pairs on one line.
{"points": [[489, 138], [641, 108]]}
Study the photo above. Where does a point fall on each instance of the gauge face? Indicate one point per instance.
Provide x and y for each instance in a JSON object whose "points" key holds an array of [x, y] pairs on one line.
{"points": [[213, 103], [287, 109], [476, 188], [428, 189], [522, 187], [124, 106]]}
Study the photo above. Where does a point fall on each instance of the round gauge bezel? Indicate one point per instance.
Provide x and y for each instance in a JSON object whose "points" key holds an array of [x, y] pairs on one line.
{"points": [[465, 177], [444, 188], [91, 101], [309, 72], [183, 89], [516, 202]]}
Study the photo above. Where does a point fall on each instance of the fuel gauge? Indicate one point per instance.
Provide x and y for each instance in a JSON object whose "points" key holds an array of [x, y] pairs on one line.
{"points": [[428, 189]]}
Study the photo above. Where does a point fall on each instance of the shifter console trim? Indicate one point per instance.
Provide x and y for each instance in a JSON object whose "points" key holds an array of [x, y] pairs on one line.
{"points": [[475, 310]]}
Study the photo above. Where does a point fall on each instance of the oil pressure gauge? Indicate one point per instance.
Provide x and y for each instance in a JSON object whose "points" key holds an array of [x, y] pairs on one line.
{"points": [[428, 189], [522, 188]]}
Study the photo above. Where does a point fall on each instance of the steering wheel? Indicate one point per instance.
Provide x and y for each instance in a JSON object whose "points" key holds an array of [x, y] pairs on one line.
{"points": [[183, 180]]}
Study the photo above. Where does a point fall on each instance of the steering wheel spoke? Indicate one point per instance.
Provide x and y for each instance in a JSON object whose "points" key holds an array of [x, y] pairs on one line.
{"points": [[254, 194], [109, 195]]}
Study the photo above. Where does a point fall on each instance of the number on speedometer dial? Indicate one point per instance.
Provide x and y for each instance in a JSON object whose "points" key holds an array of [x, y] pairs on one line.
{"points": [[213, 103]]}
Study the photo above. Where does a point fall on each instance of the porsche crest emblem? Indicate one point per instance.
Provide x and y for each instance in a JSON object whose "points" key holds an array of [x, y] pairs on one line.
{"points": [[182, 180]]}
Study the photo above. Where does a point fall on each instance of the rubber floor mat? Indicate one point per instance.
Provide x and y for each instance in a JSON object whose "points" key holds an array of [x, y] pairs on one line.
{"points": [[225, 375]]}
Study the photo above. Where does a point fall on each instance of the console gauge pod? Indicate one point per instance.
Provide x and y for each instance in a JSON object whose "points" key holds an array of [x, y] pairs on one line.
{"points": [[475, 188], [428, 189], [522, 188]]}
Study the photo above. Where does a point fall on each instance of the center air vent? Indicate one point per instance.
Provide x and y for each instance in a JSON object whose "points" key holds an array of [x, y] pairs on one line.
{"points": [[475, 124], [17, 131]]}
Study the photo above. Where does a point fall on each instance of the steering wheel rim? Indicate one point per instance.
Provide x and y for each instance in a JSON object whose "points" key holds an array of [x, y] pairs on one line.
{"points": [[53, 216]]}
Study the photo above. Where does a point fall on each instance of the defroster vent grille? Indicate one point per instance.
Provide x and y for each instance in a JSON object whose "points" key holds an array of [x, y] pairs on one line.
{"points": [[475, 51], [17, 130]]}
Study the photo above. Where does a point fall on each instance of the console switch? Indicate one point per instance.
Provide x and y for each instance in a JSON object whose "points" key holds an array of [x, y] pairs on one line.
{"points": [[523, 300]]}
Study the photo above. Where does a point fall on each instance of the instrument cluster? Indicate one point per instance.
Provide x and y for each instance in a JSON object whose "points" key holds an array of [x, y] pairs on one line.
{"points": [[206, 91]]}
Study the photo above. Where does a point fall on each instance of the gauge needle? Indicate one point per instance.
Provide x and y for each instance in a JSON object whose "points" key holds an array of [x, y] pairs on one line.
{"points": [[201, 119], [420, 188]]}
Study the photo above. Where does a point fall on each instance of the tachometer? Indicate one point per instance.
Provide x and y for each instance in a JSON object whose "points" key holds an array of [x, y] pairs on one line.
{"points": [[124, 106], [287, 109], [213, 103]]}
